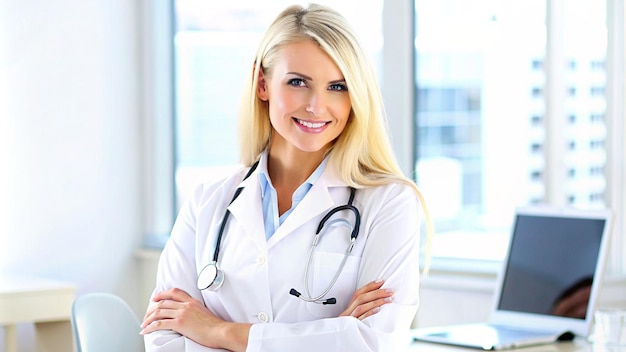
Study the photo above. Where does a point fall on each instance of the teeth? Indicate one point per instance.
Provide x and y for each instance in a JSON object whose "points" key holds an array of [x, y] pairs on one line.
{"points": [[311, 124]]}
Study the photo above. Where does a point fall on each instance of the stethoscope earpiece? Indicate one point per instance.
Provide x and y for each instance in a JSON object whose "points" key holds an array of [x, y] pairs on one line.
{"points": [[326, 301]]}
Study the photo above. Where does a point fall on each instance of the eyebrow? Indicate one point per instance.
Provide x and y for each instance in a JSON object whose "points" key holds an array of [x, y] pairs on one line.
{"points": [[311, 79]]}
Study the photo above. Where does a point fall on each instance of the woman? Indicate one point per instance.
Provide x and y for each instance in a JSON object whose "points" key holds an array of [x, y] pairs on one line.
{"points": [[313, 138]]}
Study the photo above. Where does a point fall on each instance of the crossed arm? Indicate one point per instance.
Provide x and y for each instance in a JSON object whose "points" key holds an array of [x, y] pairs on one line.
{"points": [[176, 310]]}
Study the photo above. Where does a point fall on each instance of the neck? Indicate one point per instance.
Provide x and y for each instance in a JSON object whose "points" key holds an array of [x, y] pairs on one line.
{"points": [[290, 170]]}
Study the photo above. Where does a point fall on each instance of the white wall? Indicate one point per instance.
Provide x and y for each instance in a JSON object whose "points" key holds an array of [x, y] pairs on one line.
{"points": [[70, 142]]}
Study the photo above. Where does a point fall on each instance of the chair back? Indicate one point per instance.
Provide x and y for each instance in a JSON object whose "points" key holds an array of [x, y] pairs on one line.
{"points": [[103, 322]]}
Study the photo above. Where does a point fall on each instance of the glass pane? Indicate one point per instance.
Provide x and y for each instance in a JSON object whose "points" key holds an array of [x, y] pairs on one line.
{"points": [[481, 129], [214, 44], [479, 77]]}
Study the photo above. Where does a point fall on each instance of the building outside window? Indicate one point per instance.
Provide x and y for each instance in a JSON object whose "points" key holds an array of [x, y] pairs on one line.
{"points": [[480, 151]]}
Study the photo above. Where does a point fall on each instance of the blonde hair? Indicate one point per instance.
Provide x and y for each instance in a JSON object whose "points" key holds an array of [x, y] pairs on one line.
{"points": [[362, 154]]}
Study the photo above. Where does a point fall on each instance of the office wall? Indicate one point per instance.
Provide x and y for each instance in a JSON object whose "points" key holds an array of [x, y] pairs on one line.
{"points": [[70, 143]]}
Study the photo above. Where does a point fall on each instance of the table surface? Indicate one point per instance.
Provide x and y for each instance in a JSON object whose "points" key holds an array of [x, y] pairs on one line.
{"points": [[44, 302], [19, 284], [33, 299]]}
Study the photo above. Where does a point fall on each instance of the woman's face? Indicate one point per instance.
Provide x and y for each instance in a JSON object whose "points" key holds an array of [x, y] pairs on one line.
{"points": [[308, 99]]}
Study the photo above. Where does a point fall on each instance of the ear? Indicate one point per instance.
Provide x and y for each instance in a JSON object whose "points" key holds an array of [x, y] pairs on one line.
{"points": [[261, 89]]}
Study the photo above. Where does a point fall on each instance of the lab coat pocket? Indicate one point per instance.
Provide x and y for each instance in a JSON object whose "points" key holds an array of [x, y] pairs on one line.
{"points": [[324, 268]]}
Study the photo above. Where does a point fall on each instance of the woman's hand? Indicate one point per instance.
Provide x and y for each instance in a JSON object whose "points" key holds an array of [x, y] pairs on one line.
{"points": [[176, 310], [367, 300]]}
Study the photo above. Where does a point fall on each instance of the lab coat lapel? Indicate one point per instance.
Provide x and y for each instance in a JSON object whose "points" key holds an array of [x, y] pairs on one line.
{"points": [[317, 201], [247, 210]]}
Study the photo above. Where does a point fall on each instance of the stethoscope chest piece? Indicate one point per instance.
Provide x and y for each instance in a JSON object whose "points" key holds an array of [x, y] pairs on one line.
{"points": [[210, 277]]}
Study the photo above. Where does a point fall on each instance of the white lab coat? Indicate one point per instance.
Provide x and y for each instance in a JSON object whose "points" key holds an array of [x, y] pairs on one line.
{"points": [[259, 273]]}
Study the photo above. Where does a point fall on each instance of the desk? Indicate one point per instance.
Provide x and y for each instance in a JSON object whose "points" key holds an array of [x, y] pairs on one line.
{"points": [[46, 303], [578, 345]]}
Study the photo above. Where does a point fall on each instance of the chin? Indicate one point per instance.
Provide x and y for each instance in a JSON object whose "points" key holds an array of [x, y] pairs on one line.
{"points": [[314, 148]]}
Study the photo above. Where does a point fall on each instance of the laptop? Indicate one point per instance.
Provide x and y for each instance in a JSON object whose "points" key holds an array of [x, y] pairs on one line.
{"points": [[548, 286]]}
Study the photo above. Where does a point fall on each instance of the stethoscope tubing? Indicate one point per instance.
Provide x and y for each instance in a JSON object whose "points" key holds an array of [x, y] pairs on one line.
{"points": [[310, 297], [216, 279], [218, 242], [354, 234]]}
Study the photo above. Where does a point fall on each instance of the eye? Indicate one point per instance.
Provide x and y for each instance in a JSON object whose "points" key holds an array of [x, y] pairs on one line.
{"points": [[340, 87], [296, 82]]}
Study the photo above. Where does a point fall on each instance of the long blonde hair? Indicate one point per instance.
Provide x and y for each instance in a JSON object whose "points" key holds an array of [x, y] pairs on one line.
{"points": [[362, 154]]}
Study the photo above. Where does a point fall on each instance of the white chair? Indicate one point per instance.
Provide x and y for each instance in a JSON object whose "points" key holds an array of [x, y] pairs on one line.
{"points": [[103, 322]]}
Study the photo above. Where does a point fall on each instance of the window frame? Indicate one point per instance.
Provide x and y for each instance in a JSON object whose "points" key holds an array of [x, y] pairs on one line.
{"points": [[158, 122], [615, 114]]}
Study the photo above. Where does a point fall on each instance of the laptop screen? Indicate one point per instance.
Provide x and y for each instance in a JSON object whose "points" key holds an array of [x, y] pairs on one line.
{"points": [[551, 264]]}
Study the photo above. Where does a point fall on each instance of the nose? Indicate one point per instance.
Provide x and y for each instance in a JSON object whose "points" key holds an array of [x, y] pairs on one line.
{"points": [[317, 104]]}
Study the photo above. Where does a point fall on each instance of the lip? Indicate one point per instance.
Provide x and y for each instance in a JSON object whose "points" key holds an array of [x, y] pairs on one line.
{"points": [[311, 126]]}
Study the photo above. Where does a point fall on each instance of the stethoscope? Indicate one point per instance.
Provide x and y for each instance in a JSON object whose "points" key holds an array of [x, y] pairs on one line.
{"points": [[211, 277]]}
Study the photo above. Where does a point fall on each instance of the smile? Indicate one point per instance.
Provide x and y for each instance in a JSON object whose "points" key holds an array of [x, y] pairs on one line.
{"points": [[311, 124]]}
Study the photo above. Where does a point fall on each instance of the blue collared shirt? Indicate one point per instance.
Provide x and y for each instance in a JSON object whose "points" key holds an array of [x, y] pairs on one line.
{"points": [[270, 199]]}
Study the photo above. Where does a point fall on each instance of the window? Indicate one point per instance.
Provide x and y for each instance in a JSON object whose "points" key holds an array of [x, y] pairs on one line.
{"points": [[596, 117], [572, 118], [491, 90], [597, 91], [501, 50], [572, 145], [536, 120], [597, 65]]}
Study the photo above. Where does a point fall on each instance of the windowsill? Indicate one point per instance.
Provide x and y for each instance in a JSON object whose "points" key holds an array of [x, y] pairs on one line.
{"points": [[155, 242], [465, 266], [461, 273], [481, 276]]}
